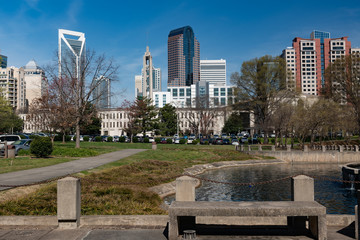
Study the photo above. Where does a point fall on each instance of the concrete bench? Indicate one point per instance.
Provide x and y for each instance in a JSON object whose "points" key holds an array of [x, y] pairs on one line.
{"points": [[182, 214]]}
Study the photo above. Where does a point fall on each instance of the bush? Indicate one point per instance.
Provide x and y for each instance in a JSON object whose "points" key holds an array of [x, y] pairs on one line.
{"points": [[182, 141], [74, 138], [206, 142], [109, 139], [122, 139], [169, 141], [146, 140], [58, 138], [41, 147], [194, 142], [86, 139], [67, 138], [158, 140], [272, 140], [135, 139], [98, 139]]}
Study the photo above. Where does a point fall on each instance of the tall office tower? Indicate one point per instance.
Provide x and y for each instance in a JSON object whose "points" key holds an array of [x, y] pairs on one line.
{"points": [[305, 59], [102, 93], [147, 74], [71, 53], [33, 84], [9, 78], [3, 61], [157, 80], [138, 86], [289, 55], [183, 57], [213, 71], [321, 35]]}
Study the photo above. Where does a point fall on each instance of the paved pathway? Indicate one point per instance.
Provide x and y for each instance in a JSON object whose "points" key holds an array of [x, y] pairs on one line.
{"points": [[334, 233], [41, 174]]}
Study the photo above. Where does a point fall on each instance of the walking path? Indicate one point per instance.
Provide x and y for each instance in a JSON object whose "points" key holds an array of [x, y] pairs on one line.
{"points": [[45, 173]]}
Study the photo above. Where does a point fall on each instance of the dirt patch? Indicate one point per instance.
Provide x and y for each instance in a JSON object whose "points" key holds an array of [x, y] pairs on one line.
{"points": [[16, 193]]}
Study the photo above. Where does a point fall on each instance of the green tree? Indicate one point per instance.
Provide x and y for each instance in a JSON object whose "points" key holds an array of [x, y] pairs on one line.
{"points": [[232, 124], [261, 86], [168, 121], [9, 122], [92, 124], [144, 114]]}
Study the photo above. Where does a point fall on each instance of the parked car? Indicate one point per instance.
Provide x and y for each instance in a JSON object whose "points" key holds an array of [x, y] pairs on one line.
{"points": [[151, 139], [9, 139], [176, 140], [163, 140], [218, 141], [116, 138], [244, 140], [226, 141], [204, 140], [22, 144]]}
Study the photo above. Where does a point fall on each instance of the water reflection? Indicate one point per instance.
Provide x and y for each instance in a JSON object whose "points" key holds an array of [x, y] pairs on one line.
{"points": [[333, 195]]}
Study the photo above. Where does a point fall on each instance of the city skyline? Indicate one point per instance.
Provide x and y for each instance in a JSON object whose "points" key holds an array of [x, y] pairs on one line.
{"points": [[233, 31]]}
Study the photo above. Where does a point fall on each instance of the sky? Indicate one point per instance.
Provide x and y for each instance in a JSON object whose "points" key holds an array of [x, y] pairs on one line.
{"points": [[236, 31]]}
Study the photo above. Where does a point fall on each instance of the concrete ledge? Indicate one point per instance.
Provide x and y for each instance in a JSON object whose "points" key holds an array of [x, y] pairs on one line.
{"points": [[125, 220], [28, 221], [160, 220]]}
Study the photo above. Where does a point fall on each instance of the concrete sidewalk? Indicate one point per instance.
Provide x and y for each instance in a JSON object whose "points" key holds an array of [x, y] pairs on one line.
{"points": [[334, 233], [41, 174]]}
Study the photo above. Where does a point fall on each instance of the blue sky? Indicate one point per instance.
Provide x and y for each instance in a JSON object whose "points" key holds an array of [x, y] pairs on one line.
{"points": [[233, 30]]}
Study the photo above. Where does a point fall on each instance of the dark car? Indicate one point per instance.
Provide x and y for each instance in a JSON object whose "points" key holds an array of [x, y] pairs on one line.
{"points": [[204, 141], [219, 141], [226, 141]]}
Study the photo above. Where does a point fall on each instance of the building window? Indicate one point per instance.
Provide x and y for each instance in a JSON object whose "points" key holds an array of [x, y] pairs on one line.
{"points": [[230, 91], [216, 92], [175, 92], [182, 92], [188, 92], [223, 101], [222, 91]]}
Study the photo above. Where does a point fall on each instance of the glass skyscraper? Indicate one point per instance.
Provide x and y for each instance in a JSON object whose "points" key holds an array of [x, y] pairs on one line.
{"points": [[321, 35], [183, 57], [3, 61]]}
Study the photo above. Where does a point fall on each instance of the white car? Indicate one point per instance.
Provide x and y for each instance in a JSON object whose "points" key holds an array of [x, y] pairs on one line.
{"points": [[9, 138]]}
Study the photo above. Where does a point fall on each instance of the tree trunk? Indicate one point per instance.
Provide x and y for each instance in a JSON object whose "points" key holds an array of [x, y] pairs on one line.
{"points": [[63, 138], [77, 145]]}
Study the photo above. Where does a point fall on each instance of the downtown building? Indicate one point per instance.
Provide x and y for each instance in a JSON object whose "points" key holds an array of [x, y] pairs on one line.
{"points": [[101, 94], [307, 60], [183, 57], [150, 79]]}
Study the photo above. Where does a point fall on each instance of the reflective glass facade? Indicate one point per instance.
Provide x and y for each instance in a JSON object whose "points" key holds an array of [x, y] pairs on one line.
{"points": [[321, 35], [3, 61], [183, 57]]}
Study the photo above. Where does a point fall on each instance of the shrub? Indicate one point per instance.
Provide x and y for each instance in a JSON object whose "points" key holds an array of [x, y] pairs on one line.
{"points": [[67, 138], [135, 139], [146, 140], [34, 136], [109, 139], [158, 140], [272, 140], [86, 138], [169, 141], [58, 138], [98, 139], [122, 139], [74, 138], [206, 142], [41, 147], [194, 142], [182, 141]]}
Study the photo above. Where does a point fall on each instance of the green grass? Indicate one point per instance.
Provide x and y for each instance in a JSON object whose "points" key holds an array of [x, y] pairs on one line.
{"points": [[104, 193], [64, 153]]}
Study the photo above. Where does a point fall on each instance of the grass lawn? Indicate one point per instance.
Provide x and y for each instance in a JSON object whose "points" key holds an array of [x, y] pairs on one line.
{"points": [[64, 153], [106, 190]]}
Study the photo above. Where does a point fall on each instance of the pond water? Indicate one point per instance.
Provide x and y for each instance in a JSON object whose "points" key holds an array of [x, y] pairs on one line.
{"points": [[333, 195]]}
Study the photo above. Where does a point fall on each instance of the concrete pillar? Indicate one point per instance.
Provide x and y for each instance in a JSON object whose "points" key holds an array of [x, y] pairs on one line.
{"points": [[306, 148], [6, 150], [185, 188], [236, 147], [288, 148], [323, 148], [249, 148], [68, 202], [273, 148], [341, 148], [154, 146], [260, 148], [302, 189], [242, 148], [356, 148]]}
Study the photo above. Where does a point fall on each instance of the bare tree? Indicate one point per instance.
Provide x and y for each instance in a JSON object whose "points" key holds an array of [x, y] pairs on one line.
{"points": [[82, 83]]}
